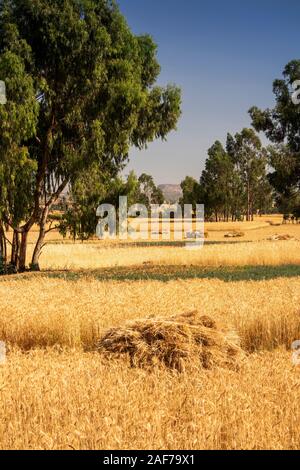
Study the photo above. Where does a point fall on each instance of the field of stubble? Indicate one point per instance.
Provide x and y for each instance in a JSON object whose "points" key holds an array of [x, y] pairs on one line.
{"points": [[56, 393]]}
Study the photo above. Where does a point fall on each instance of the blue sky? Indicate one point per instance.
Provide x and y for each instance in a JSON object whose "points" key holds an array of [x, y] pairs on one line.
{"points": [[224, 54]]}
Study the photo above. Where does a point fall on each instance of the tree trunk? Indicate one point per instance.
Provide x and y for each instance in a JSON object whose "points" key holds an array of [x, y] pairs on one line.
{"points": [[40, 241], [15, 251], [35, 266], [251, 207], [3, 251], [19, 247], [23, 250], [248, 202]]}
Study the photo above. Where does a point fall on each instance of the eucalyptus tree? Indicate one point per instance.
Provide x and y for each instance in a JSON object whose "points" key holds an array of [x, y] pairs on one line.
{"points": [[281, 125], [250, 160], [217, 182], [81, 91]]}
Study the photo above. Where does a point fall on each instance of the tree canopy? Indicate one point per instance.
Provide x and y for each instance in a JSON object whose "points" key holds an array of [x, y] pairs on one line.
{"points": [[282, 127], [80, 93], [234, 181]]}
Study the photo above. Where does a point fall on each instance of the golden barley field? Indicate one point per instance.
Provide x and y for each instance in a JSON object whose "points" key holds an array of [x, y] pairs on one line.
{"points": [[58, 392]]}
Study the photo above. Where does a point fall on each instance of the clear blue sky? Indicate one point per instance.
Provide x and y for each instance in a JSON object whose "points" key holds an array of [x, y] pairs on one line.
{"points": [[224, 54]]}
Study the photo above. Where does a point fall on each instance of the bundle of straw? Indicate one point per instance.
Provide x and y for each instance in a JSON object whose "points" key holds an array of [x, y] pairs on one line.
{"points": [[179, 342]]}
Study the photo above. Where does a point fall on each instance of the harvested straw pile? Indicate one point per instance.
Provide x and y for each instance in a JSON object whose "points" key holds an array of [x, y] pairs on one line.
{"points": [[234, 234], [273, 224], [277, 237], [182, 341]]}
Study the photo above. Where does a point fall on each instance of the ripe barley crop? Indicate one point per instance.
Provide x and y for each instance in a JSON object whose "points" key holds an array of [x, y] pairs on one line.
{"points": [[57, 392]]}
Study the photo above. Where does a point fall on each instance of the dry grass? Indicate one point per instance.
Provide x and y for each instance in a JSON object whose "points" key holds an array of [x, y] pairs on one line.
{"points": [[239, 254], [79, 401], [56, 393], [265, 314]]}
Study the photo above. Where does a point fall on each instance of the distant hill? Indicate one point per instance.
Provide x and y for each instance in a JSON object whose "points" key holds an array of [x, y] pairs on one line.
{"points": [[172, 192]]}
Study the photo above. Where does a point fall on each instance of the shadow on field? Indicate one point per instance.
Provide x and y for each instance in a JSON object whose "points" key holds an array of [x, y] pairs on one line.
{"points": [[170, 273]]}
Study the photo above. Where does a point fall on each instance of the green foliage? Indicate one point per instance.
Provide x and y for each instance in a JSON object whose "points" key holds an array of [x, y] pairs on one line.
{"points": [[18, 121], [234, 181], [148, 192], [190, 192], [218, 182], [92, 189], [282, 127], [81, 92]]}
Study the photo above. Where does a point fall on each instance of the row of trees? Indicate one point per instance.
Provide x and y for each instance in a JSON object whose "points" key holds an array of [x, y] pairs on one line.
{"points": [[234, 182], [245, 177]]}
